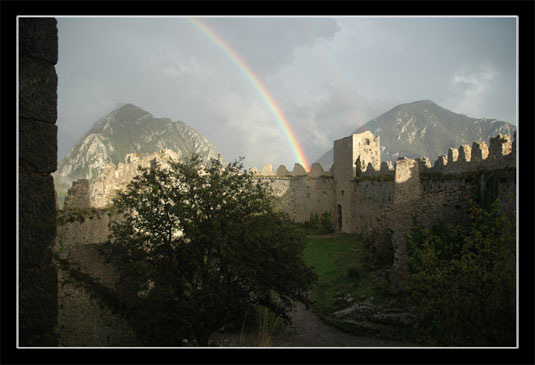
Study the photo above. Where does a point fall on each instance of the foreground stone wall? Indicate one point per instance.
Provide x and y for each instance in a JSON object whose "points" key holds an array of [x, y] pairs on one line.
{"points": [[38, 53], [85, 275]]}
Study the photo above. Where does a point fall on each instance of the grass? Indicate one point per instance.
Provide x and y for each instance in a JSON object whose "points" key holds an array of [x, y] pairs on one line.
{"points": [[339, 260], [258, 329]]}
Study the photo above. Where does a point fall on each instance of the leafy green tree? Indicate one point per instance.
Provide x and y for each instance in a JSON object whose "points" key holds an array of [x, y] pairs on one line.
{"points": [[204, 244], [463, 280]]}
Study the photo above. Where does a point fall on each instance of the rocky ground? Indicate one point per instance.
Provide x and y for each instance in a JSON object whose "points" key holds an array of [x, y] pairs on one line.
{"points": [[307, 330]]}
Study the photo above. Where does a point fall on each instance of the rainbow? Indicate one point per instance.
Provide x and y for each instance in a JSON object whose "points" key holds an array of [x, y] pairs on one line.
{"points": [[268, 99]]}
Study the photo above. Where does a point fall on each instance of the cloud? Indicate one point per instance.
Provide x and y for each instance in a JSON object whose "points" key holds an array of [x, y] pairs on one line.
{"points": [[176, 67], [242, 126], [328, 75], [274, 40], [472, 88]]}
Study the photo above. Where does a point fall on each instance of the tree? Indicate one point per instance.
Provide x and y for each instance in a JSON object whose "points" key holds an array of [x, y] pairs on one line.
{"points": [[463, 280], [205, 244]]}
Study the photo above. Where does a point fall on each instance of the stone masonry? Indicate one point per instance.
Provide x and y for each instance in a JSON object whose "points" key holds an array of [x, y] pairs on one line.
{"points": [[362, 194], [83, 318], [38, 54]]}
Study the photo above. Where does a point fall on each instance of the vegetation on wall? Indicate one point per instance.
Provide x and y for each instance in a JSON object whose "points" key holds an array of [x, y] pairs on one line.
{"points": [[205, 245], [462, 280], [380, 252], [320, 225]]}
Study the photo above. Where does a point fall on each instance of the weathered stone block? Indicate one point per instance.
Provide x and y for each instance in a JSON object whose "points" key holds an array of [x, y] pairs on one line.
{"points": [[38, 82], [38, 145], [406, 169], [441, 162], [282, 171], [78, 195], [387, 168], [37, 219], [453, 155], [465, 153], [253, 170], [267, 170], [500, 145], [38, 306], [423, 163], [480, 151], [316, 170], [298, 170], [38, 37]]}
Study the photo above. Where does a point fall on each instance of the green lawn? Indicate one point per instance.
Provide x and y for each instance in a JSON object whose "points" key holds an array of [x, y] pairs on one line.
{"points": [[339, 262]]}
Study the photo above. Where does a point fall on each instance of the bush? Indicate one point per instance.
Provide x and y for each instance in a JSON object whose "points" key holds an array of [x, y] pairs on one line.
{"points": [[463, 280], [212, 246], [313, 221], [353, 273], [327, 222], [317, 225], [380, 250]]}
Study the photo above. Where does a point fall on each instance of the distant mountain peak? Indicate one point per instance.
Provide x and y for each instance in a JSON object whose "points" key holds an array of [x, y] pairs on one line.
{"points": [[420, 102], [425, 129], [129, 129]]}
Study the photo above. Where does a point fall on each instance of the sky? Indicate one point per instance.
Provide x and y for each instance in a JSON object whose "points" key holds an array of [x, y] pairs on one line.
{"points": [[280, 90]]}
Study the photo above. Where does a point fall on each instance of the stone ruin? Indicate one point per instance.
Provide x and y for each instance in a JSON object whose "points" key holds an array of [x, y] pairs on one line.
{"points": [[363, 194]]}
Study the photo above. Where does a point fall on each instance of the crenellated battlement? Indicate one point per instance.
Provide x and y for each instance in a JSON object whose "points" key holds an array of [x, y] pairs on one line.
{"points": [[316, 171], [500, 154], [361, 193], [360, 150]]}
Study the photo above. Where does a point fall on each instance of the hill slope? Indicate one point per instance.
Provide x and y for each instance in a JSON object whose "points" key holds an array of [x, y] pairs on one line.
{"points": [[128, 129], [423, 128]]}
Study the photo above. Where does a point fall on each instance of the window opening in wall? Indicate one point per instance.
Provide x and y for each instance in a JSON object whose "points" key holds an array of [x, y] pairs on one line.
{"points": [[339, 217]]}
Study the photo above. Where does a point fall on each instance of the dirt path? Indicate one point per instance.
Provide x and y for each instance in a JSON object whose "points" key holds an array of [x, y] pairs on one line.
{"points": [[307, 330]]}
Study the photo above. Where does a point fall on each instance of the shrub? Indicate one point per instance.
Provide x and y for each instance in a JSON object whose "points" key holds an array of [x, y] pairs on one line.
{"points": [[463, 280], [380, 250], [353, 273], [327, 222], [313, 221]]}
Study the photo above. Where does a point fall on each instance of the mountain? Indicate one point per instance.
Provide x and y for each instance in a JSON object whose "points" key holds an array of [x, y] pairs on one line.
{"points": [[425, 129], [128, 129]]}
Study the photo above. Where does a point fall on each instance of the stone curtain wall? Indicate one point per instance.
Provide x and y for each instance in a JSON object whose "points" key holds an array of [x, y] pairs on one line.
{"points": [[78, 195], [371, 201], [301, 197], [371, 198], [38, 54], [300, 193], [364, 193], [85, 276], [382, 201], [113, 179]]}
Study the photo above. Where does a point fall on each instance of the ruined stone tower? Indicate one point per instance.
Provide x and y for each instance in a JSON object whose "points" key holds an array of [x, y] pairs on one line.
{"points": [[351, 155]]}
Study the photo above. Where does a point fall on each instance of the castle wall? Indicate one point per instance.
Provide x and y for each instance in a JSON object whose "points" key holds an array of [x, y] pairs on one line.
{"points": [[372, 199], [78, 195], [84, 318], [301, 197], [114, 179], [37, 159], [366, 199], [433, 194]]}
